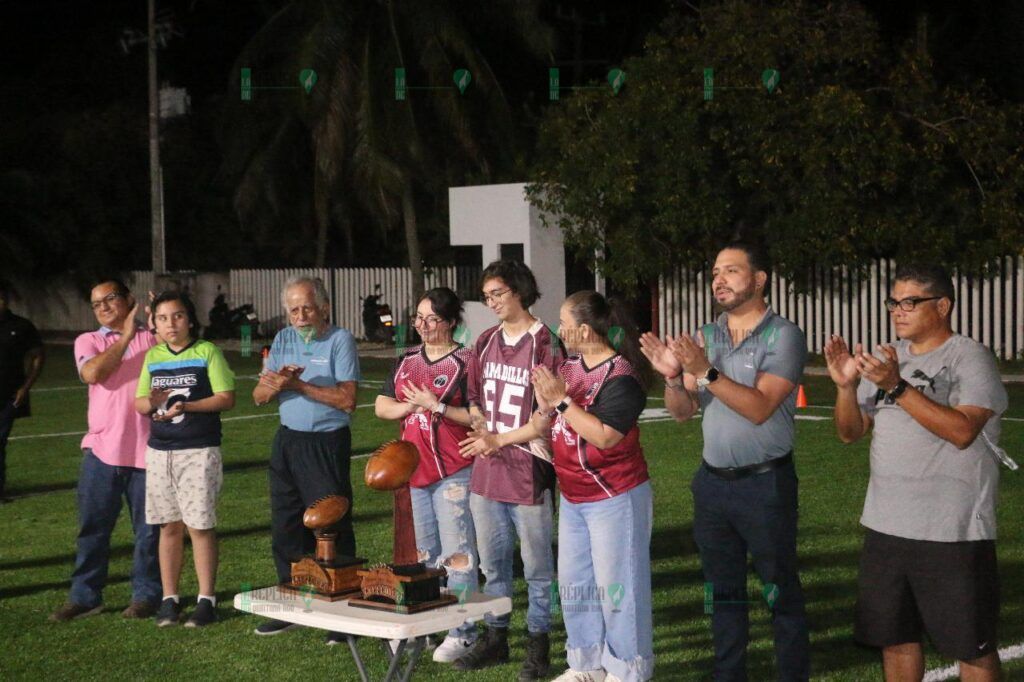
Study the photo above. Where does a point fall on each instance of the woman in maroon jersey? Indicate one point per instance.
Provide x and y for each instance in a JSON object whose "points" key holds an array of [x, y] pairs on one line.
{"points": [[604, 529], [427, 393]]}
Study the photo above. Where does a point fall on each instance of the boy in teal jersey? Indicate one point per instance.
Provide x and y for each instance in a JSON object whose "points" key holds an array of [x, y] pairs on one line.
{"points": [[184, 386]]}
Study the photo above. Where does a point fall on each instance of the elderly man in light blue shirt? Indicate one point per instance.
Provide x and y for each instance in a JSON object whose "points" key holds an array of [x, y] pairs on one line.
{"points": [[313, 371]]}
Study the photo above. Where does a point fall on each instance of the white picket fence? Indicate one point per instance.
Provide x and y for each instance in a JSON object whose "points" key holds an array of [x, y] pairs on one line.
{"points": [[347, 287], [988, 310]]}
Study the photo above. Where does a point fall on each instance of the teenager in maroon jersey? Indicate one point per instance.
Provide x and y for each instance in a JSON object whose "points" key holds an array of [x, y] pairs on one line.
{"points": [[426, 392], [606, 511], [513, 480]]}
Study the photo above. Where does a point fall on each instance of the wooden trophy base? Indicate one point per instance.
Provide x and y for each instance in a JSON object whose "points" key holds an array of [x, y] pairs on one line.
{"points": [[409, 588], [331, 581]]}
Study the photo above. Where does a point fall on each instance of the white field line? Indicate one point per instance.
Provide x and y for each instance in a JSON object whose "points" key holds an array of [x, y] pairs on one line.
{"points": [[952, 672], [651, 414], [223, 419]]}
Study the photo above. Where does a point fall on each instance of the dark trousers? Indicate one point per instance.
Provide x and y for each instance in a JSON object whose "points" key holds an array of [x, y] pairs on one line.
{"points": [[6, 422], [756, 514], [100, 489], [305, 466]]}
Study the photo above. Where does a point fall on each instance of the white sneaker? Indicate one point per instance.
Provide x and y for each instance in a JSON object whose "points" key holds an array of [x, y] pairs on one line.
{"points": [[451, 649], [571, 675]]}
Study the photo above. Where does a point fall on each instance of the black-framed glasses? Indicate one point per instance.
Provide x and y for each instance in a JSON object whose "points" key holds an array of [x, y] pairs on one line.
{"points": [[495, 295], [106, 300], [908, 303], [428, 321]]}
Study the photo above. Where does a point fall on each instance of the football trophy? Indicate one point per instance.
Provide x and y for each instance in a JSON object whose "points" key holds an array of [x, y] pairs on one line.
{"points": [[406, 585], [325, 575]]}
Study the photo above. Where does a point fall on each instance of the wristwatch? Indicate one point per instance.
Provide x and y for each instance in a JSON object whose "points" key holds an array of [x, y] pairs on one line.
{"points": [[898, 389], [564, 405], [710, 377]]}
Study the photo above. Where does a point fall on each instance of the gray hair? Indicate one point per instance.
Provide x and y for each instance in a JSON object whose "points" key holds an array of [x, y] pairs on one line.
{"points": [[315, 283]]}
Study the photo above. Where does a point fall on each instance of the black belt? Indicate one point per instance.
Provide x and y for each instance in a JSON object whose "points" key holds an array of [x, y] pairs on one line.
{"points": [[735, 473]]}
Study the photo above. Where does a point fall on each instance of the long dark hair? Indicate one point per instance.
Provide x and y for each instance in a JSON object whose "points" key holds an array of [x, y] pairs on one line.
{"points": [[603, 315]]}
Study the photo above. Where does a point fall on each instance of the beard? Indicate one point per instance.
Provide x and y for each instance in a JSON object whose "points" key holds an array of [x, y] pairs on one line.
{"points": [[739, 298]]}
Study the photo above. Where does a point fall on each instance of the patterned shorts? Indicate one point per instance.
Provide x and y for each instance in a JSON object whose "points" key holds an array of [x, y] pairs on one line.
{"points": [[183, 485]]}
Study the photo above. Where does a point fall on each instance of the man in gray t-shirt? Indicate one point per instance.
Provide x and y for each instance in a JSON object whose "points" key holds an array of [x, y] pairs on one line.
{"points": [[933, 401]]}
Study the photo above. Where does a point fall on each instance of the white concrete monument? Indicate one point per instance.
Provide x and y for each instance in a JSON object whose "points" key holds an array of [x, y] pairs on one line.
{"points": [[497, 218]]}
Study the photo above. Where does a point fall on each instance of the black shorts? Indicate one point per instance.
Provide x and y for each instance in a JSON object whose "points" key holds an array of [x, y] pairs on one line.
{"points": [[947, 590]]}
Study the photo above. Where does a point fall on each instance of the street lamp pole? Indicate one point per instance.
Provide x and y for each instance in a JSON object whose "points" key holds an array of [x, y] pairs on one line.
{"points": [[155, 171]]}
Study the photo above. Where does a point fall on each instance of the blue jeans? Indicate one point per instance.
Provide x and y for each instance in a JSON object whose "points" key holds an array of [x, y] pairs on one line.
{"points": [[100, 487], [6, 422], [604, 581], [444, 526], [756, 514], [497, 525]]}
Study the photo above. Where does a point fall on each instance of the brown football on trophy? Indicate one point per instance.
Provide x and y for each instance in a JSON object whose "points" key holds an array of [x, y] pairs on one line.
{"points": [[325, 512], [391, 465]]}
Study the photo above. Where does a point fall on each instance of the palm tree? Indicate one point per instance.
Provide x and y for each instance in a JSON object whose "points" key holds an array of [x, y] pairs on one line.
{"points": [[370, 153]]}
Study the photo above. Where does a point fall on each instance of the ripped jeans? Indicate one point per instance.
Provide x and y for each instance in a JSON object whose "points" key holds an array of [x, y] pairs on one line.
{"points": [[444, 527]]}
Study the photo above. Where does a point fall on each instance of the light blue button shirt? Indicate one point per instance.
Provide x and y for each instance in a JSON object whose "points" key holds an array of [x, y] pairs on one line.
{"points": [[328, 360]]}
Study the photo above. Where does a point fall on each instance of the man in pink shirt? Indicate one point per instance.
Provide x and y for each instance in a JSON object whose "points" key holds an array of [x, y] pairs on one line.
{"points": [[114, 466]]}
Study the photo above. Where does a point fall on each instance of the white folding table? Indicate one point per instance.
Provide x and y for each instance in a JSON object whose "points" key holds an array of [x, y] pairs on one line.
{"points": [[353, 621]]}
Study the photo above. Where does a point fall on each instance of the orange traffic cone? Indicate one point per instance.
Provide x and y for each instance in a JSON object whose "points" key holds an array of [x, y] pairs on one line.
{"points": [[801, 397]]}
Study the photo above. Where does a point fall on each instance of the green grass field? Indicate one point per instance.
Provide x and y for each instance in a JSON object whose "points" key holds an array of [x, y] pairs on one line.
{"points": [[39, 528]]}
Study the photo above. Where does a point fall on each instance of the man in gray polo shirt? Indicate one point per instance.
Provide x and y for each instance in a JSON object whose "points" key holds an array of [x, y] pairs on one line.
{"points": [[929, 560], [745, 492]]}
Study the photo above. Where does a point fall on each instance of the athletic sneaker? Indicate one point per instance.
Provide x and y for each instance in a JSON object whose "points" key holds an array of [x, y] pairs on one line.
{"points": [[274, 627], [71, 611], [168, 613], [452, 649], [571, 675], [204, 614]]}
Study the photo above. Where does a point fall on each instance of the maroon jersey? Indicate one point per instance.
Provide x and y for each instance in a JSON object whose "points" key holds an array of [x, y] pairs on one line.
{"points": [[499, 384], [611, 391], [435, 437]]}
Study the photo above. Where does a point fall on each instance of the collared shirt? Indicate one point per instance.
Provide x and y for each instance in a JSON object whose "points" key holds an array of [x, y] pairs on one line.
{"points": [[774, 346], [17, 337], [117, 433], [327, 361]]}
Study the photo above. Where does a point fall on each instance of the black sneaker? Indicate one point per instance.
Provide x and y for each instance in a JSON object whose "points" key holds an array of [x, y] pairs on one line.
{"points": [[538, 661], [274, 627], [168, 613], [490, 649], [204, 614]]}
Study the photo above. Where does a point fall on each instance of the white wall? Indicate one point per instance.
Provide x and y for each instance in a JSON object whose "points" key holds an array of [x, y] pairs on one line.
{"points": [[492, 215]]}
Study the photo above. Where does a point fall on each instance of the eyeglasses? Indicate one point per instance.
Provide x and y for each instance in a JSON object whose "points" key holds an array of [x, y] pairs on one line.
{"points": [[495, 295], [428, 321], [105, 301], [908, 303]]}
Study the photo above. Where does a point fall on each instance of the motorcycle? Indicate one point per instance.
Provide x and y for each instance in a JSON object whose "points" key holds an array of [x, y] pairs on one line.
{"points": [[378, 322], [226, 323]]}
